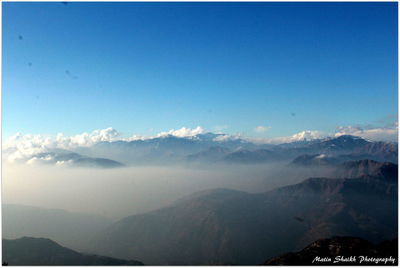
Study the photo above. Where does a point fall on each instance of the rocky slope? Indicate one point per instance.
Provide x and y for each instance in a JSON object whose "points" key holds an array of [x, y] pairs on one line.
{"points": [[341, 251]]}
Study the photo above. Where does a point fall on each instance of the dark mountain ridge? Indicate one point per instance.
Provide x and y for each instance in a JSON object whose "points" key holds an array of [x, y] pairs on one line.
{"points": [[366, 167], [348, 169], [77, 160], [43, 251], [325, 252], [349, 147], [224, 226], [73, 230]]}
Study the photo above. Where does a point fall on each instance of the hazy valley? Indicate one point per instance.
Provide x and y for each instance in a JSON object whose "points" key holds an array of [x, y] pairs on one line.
{"points": [[199, 133], [207, 202]]}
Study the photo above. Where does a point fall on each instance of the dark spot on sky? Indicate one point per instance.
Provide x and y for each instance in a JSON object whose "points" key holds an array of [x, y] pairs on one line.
{"points": [[70, 75], [64, 3], [20, 37], [298, 219], [293, 114], [29, 64]]}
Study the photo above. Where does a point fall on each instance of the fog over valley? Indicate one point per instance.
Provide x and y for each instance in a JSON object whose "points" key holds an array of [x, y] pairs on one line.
{"points": [[118, 192], [78, 173], [199, 133], [97, 197]]}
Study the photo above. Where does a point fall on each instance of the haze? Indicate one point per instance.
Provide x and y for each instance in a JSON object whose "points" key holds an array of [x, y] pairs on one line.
{"points": [[119, 192]]}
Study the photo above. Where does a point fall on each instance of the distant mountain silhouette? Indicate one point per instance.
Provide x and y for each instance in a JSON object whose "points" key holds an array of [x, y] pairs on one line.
{"points": [[326, 151], [212, 154], [344, 142], [347, 247], [347, 147], [71, 229], [355, 146], [254, 157], [164, 150], [74, 159], [213, 148], [348, 169], [42, 251], [224, 226], [323, 152], [210, 147]]}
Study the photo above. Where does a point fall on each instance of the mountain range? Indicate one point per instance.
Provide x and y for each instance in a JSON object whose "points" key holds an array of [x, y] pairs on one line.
{"points": [[212, 148], [29, 251], [359, 198], [223, 226], [205, 149]]}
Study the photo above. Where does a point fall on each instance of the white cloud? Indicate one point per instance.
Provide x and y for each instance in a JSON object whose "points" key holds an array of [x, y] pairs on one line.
{"points": [[305, 135], [261, 129], [376, 134], [25, 147], [87, 139], [40, 160], [182, 132], [65, 163], [226, 137], [136, 138]]}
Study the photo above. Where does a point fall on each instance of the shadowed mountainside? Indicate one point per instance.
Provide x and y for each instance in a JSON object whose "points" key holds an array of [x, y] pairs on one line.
{"points": [[361, 168], [327, 251], [43, 251], [348, 169], [70, 229], [224, 226]]}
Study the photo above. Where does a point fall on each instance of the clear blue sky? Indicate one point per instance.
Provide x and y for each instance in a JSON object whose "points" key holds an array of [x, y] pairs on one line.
{"points": [[137, 66]]}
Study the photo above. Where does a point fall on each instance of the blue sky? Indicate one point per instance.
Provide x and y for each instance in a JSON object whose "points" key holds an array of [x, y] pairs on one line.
{"points": [[149, 67]]}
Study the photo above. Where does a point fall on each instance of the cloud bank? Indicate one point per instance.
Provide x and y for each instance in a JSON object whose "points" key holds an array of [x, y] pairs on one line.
{"points": [[305, 135], [372, 133], [26, 148], [182, 132]]}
